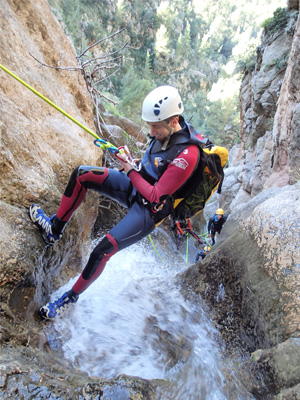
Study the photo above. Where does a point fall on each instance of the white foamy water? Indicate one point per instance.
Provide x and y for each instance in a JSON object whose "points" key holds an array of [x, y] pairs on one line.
{"points": [[133, 320]]}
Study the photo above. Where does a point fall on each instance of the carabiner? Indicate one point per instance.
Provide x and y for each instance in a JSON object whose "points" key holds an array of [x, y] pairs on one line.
{"points": [[106, 145]]}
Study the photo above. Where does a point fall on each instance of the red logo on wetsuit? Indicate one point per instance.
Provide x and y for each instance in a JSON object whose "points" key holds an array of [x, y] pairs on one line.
{"points": [[180, 163]]}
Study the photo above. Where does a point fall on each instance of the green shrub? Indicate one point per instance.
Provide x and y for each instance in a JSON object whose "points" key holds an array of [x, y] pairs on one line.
{"points": [[247, 61], [279, 20]]}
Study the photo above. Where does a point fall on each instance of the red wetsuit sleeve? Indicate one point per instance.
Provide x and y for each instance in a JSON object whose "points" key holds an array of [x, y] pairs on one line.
{"points": [[176, 174]]}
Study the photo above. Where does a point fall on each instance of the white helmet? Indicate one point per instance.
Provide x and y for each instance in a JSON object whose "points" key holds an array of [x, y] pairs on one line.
{"points": [[162, 103]]}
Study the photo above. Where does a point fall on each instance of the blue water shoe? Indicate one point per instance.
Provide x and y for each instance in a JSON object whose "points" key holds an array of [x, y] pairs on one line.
{"points": [[44, 223], [59, 306]]}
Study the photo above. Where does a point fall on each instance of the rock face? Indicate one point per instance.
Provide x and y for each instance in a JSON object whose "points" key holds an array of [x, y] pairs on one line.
{"points": [[39, 149], [250, 279], [286, 130], [268, 153], [37, 142]]}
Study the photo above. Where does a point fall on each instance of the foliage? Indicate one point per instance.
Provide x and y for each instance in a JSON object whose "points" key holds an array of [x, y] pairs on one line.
{"points": [[247, 61], [222, 123], [281, 62], [279, 20], [133, 94], [195, 109], [184, 43]]}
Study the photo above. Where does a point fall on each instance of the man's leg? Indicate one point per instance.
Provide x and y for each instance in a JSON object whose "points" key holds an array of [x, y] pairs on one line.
{"points": [[133, 227], [137, 224], [110, 182], [213, 234]]}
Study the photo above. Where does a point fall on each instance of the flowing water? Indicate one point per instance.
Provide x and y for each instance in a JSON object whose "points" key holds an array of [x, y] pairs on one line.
{"points": [[133, 320]]}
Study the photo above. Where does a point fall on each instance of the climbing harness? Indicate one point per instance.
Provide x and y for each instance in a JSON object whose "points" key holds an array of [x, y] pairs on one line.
{"points": [[98, 142], [183, 230]]}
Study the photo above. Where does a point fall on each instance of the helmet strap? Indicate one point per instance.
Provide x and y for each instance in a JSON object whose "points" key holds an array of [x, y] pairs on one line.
{"points": [[171, 131]]}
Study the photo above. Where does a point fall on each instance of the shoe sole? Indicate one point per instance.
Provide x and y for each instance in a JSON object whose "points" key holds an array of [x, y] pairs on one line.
{"points": [[58, 312], [43, 315]]}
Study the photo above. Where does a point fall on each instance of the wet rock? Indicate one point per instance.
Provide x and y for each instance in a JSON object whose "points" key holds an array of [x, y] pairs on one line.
{"points": [[39, 150], [289, 394], [123, 387], [173, 349], [250, 280], [22, 377], [283, 361]]}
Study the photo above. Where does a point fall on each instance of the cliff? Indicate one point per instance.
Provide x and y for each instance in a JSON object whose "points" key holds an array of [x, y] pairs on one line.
{"points": [[39, 149], [267, 154], [37, 143], [256, 261]]}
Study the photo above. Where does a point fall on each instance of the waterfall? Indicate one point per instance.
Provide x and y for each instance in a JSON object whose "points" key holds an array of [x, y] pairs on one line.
{"points": [[133, 320]]}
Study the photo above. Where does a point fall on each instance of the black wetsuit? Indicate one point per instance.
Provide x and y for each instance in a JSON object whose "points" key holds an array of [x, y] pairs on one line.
{"points": [[215, 225], [138, 191]]}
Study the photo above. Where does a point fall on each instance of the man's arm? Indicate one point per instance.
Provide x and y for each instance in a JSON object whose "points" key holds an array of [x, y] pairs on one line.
{"points": [[223, 221], [177, 173], [198, 256]]}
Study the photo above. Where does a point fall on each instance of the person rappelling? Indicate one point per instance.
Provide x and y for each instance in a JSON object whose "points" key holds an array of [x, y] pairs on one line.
{"points": [[202, 253], [151, 189], [215, 224]]}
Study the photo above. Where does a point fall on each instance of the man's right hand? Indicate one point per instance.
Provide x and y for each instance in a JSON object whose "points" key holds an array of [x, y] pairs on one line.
{"points": [[127, 161], [123, 154]]}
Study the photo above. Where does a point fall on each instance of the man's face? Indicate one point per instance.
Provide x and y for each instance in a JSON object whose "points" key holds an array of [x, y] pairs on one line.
{"points": [[219, 216], [159, 130]]}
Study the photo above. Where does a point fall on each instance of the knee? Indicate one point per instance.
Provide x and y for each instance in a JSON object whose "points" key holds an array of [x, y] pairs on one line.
{"points": [[72, 182], [107, 246], [105, 249], [100, 172], [85, 169]]}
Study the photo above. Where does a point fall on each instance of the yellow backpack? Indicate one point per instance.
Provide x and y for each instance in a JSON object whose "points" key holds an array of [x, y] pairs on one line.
{"points": [[222, 152], [206, 180]]}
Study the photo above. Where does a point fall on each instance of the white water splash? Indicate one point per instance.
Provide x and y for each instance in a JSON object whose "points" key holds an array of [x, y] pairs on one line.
{"points": [[120, 323]]}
